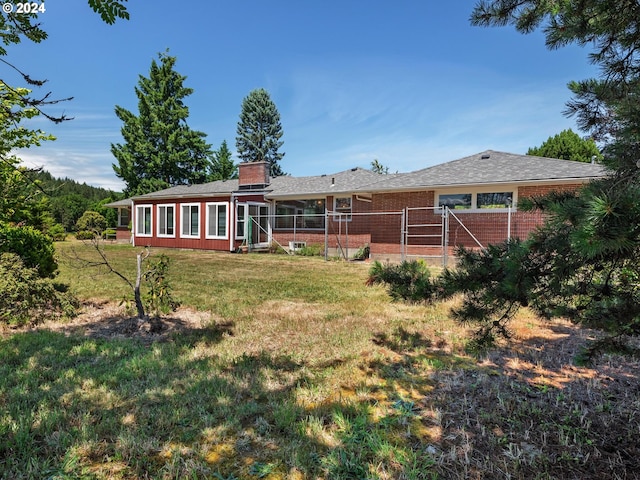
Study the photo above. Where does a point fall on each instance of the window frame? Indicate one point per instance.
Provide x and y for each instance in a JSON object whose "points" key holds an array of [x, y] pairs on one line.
{"points": [[345, 213], [216, 205], [149, 207], [300, 222], [184, 206], [474, 199], [159, 216], [121, 224]]}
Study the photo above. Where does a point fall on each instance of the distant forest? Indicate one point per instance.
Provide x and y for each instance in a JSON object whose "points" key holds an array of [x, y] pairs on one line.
{"points": [[68, 199]]}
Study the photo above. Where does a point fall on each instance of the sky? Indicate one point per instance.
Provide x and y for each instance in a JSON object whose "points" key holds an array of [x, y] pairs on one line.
{"points": [[410, 83]]}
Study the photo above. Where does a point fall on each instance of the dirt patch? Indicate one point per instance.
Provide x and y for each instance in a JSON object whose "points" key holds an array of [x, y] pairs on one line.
{"points": [[101, 319]]}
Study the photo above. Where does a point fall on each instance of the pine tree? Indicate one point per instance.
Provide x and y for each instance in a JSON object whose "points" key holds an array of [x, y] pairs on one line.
{"points": [[259, 131], [584, 262], [160, 150], [222, 166]]}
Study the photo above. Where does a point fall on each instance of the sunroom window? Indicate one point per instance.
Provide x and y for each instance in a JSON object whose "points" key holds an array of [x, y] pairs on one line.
{"points": [[217, 220], [190, 220], [143, 220], [166, 220]]}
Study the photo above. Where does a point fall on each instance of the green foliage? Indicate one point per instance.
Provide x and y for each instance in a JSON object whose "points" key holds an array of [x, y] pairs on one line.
{"points": [[85, 235], [222, 166], [57, 233], [377, 167], [91, 221], [311, 250], [410, 280], [32, 246], [259, 131], [160, 149], [362, 253], [158, 298], [568, 145], [27, 298], [110, 10]]}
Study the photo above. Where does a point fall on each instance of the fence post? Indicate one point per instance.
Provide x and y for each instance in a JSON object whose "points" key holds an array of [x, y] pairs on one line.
{"points": [[403, 233], [445, 235], [326, 235], [509, 223]]}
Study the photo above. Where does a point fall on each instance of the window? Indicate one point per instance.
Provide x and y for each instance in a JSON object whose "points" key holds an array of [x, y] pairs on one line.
{"points": [[495, 200], [474, 201], [241, 221], [217, 220], [166, 220], [190, 220], [123, 217], [342, 205], [455, 201], [307, 214], [143, 220]]}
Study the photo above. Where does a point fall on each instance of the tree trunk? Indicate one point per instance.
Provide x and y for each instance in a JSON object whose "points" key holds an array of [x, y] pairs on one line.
{"points": [[136, 290]]}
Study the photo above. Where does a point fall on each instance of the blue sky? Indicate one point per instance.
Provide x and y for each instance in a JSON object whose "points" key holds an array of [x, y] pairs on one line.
{"points": [[410, 83]]}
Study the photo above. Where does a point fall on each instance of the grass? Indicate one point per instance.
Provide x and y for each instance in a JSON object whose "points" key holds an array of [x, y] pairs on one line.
{"points": [[302, 372]]}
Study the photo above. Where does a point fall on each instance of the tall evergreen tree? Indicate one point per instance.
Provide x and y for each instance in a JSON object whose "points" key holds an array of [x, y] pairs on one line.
{"points": [[222, 166], [259, 131], [160, 150]]}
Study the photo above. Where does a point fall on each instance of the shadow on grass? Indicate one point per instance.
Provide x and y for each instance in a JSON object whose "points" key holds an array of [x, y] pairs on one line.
{"points": [[104, 407]]}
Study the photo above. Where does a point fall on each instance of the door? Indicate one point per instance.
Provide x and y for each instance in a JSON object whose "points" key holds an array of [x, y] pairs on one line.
{"points": [[252, 224]]}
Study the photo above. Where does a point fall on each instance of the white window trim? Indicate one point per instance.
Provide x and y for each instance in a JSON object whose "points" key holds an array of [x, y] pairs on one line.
{"points": [[164, 235], [186, 235], [474, 200], [245, 208], [136, 224], [344, 215], [208, 205]]}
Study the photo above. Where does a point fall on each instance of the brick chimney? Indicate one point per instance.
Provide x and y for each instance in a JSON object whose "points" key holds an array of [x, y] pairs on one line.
{"points": [[254, 174]]}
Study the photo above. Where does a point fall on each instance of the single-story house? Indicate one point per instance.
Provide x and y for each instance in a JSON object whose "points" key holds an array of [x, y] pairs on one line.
{"points": [[398, 214]]}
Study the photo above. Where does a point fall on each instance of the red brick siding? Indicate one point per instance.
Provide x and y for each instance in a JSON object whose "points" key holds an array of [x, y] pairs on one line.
{"points": [[253, 173]]}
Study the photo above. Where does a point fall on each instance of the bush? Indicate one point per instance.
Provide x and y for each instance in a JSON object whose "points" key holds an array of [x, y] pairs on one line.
{"points": [[27, 297], [57, 233], [91, 221], [409, 280], [362, 253], [32, 246], [85, 235], [311, 251]]}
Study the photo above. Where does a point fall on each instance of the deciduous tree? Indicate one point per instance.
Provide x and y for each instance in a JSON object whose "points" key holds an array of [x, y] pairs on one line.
{"points": [[568, 145]]}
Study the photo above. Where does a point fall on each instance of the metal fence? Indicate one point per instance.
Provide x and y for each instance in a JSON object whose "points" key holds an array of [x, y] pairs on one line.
{"points": [[431, 233]]}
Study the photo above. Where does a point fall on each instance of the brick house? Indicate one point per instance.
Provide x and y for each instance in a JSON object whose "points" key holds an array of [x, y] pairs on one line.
{"points": [[392, 214]]}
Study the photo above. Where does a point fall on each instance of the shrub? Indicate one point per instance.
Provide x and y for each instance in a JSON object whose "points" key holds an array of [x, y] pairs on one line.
{"points": [[57, 233], [159, 298], [91, 221], [315, 250], [34, 248], [85, 235], [409, 280], [26, 296], [362, 253]]}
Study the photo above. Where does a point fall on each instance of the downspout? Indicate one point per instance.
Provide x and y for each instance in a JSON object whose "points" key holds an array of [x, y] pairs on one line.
{"points": [[133, 224], [232, 221]]}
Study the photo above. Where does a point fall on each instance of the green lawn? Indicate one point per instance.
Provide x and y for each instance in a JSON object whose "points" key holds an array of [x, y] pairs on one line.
{"points": [[303, 372]]}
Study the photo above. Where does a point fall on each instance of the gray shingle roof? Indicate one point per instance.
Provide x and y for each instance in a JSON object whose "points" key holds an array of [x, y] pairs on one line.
{"points": [[490, 167], [198, 190], [341, 182]]}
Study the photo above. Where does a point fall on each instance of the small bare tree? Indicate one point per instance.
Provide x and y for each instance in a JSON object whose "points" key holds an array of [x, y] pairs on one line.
{"points": [[160, 299]]}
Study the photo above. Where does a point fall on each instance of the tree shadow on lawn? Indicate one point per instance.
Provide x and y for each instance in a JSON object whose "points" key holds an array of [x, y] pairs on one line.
{"points": [[103, 407]]}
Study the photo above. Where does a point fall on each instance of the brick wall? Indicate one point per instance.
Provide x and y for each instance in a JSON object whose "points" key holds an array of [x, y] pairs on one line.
{"points": [[253, 173]]}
